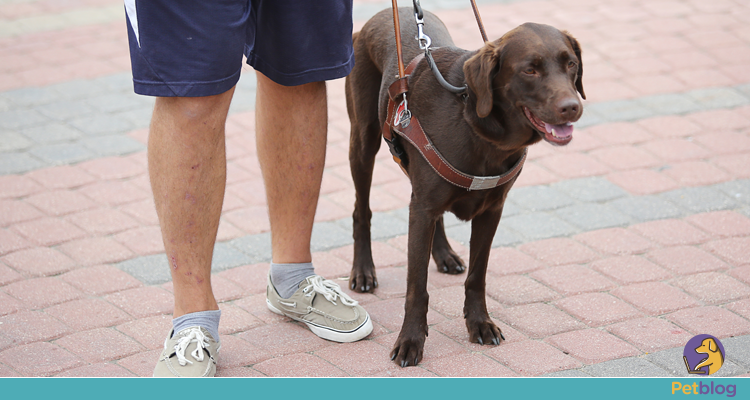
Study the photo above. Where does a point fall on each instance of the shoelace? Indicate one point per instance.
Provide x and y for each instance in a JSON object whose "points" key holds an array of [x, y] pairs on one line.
{"points": [[329, 289], [197, 336]]}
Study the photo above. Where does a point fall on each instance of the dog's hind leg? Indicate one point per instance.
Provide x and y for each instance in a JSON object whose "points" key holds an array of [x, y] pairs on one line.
{"points": [[362, 87], [446, 259], [481, 328]]}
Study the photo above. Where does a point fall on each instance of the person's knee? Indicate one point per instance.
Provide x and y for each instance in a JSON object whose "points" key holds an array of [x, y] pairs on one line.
{"points": [[195, 108]]}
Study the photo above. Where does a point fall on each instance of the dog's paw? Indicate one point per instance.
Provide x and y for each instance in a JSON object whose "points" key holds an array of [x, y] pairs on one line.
{"points": [[408, 350], [363, 282], [484, 332], [448, 262]]}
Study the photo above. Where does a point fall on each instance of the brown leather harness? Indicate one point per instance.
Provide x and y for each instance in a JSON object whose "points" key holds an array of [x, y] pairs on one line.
{"points": [[400, 120]]}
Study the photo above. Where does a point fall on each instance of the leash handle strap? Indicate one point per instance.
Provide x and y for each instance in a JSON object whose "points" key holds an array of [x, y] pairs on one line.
{"points": [[479, 20], [397, 27]]}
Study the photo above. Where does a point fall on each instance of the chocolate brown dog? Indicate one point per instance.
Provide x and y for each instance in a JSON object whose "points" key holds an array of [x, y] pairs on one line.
{"points": [[522, 88]]}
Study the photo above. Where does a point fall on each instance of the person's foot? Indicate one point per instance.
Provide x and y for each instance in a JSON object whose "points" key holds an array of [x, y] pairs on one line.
{"points": [[189, 353], [327, 311]]}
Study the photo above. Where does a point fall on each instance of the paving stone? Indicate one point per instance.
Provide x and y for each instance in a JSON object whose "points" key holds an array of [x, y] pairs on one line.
{"points": [[39, 359], [62, 153], [21, 118], [258, 247], [671, 232], [143, 302], [39, 261], [571, 373], [85, 314], [13, 141], [113, 102], [616, 241], [738, 350], [711, 320], [226, 256], [102, 125], [51, 133], [328, 235], [112, 145], [621, 110], [539, 320], [646, 208], [630, 269], [654, 298], [31, 96], [118, 82], [138, 117], [539, 226], [590, 118], [15, 163], [572, 279], [384, 226], [699, 199], [650, 334], [151, 270], [631, 367], [738, 190], [671, 103], [77, 89], [65, 110], [40, 293], [532, 358], [299, 365], [539, 198], [102, 370], [592, 216], [468, 365], [594, 189], [718, 97], [31, 326], [99, 345], [597, 309]]}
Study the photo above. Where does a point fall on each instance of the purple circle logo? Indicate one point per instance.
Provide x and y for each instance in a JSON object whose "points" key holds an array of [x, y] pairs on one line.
{"points": [[703, 355]]}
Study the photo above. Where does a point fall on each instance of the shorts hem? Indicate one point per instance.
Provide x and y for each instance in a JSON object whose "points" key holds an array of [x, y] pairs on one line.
{"points": [[186, 89], [301, 78]]}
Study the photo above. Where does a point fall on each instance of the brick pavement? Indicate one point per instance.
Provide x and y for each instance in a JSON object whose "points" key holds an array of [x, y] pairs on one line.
{"points": [[612, 252]]}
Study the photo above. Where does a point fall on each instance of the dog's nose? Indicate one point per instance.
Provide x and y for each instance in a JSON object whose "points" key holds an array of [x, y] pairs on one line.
{"points": [[568, 108]]}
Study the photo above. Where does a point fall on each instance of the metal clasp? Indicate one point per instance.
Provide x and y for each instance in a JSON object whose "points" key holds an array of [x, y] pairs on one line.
{"points": [[422, 38]]}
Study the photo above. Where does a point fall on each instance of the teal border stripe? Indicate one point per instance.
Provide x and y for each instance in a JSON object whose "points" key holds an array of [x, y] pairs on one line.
{"points": [[363, 388]]}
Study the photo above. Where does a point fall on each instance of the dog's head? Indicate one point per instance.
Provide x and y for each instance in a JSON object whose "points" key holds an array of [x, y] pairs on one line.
{"points": [[707, 346], [534, 74]]}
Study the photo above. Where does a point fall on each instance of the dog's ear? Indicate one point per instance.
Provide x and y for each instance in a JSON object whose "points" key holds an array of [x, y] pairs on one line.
{"points": [[712, 345], [479, 71], [577, 50]]}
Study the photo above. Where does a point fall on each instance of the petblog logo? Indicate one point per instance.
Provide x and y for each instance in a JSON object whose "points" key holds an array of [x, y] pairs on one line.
{"points": [[703, 355]]}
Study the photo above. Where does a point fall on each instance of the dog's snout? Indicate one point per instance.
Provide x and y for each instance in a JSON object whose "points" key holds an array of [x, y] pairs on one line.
{"points": [[568, 108]]}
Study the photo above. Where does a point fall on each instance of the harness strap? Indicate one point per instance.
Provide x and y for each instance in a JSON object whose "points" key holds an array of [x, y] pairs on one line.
{"points": [[415, 135]]}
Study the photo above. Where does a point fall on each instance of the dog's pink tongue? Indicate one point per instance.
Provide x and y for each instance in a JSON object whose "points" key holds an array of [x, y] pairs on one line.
{"points": [[563, 131]]}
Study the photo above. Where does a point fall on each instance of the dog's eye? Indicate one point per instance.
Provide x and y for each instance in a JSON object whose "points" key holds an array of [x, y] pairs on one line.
{"points": [[571, 64], [529, 71]]}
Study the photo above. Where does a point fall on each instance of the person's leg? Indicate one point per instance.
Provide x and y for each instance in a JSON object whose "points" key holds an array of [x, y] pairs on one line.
{"points": [[291, 125], [187, 166]]}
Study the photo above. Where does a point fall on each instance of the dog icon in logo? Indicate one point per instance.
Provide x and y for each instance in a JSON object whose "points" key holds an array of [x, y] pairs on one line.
{"points": [[703, 355]]}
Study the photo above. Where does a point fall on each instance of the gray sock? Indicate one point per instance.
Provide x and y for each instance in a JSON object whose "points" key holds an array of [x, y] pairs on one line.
{"points": [[205, 319], [287, 277]]}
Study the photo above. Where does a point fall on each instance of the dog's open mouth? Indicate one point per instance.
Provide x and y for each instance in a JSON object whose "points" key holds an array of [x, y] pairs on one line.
{"points": [[556, 134]]}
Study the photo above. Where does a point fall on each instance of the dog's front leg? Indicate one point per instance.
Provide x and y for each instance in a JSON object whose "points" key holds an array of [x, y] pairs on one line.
{"points": [[410, 343], [481, 328]]}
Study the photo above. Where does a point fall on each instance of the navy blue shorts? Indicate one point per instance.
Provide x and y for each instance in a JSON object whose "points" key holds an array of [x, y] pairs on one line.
{"points": [[190, 48]]}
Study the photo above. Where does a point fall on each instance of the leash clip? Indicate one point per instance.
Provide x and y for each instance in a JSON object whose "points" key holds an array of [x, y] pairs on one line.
{"points": [[422, 38]]}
